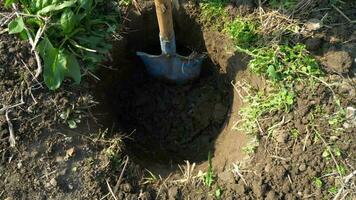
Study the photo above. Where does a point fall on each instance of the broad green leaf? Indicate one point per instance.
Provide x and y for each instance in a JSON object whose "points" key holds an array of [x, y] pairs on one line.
{"points": [[54, 64], [9, 2], [67, 21], [272, 72], [34, 22], [86, 4], [56, 7], [23, 35], [73, 68], [37, 4], [16, 26]]}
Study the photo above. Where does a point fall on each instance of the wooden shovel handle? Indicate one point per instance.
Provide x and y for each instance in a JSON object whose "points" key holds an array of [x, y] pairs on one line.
{"points": [[165, 19]]}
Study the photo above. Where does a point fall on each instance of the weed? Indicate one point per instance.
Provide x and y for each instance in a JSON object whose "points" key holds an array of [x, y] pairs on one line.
{"points": [[209, 176], [284, 63], [213, 12], [71, 117], [243, 32], [259, 104], [336, 120], [218, 193], [151, 178], [318, 182], [64, 32], [187, 171], [251, 146], [113, 153], [295, 133], [125, 2], [333, 190]]}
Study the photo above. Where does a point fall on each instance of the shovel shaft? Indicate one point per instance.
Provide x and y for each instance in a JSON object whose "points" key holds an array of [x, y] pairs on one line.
{"points": [[165, 19]]}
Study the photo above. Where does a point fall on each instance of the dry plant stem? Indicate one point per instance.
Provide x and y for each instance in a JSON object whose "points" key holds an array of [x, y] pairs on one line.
{"points": [[11, 130], [121, 174], [237, 90], [346, 17], [32, 43], [110, 190], [5, 19], [306, 138], [237, 171], [347, 179]]}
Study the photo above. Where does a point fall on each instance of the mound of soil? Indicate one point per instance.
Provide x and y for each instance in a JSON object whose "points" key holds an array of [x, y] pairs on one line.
{"points": [[140, 122]]}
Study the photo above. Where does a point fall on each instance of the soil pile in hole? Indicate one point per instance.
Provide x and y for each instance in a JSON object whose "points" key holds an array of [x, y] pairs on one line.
{"points": [[172, 122]]}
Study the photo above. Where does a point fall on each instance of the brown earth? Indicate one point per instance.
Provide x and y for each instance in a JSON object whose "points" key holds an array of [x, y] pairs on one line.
{"points": [[141, 123]]}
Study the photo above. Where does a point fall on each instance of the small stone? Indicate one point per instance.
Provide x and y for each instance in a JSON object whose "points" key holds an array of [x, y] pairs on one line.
{"points": [[338, 61], [350, 113], [258, 188], [286, 187], [282, 137], [313, 24], [271, 195], [302, 167], [53, 182], [70, 186], [12, 50], [268, 167], [19, 165]]}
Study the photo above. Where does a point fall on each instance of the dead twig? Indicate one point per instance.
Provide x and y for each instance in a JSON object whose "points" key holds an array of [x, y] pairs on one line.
{"points": [[346, 17], [110, 190], [12, 139], [121, 174], [32, 43], [346, 180], [236, 172]]}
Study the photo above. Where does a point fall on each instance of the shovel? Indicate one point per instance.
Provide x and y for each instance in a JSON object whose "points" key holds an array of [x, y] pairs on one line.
{"points": [[170, 66]]}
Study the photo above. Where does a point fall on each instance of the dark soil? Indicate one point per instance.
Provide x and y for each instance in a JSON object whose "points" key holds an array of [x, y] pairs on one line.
{"points": [[130, 122]]}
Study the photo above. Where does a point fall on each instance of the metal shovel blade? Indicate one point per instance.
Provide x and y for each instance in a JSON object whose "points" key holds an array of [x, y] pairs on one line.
{"points": [[173, 68]]}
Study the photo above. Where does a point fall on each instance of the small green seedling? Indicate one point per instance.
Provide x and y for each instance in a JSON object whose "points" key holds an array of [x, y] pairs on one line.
{"points": [[209, 176], [318, 182], [71, 117], [218, 193], [295, 133], [333, 190]]}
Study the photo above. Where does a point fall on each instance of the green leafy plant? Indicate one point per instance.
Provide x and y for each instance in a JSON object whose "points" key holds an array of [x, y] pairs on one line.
{"points": [[260, 103], [67, 31], [295, 133], [218, 193], [284, 63], [71, 117], [213, 12], [318, 182], [243, 32]]}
